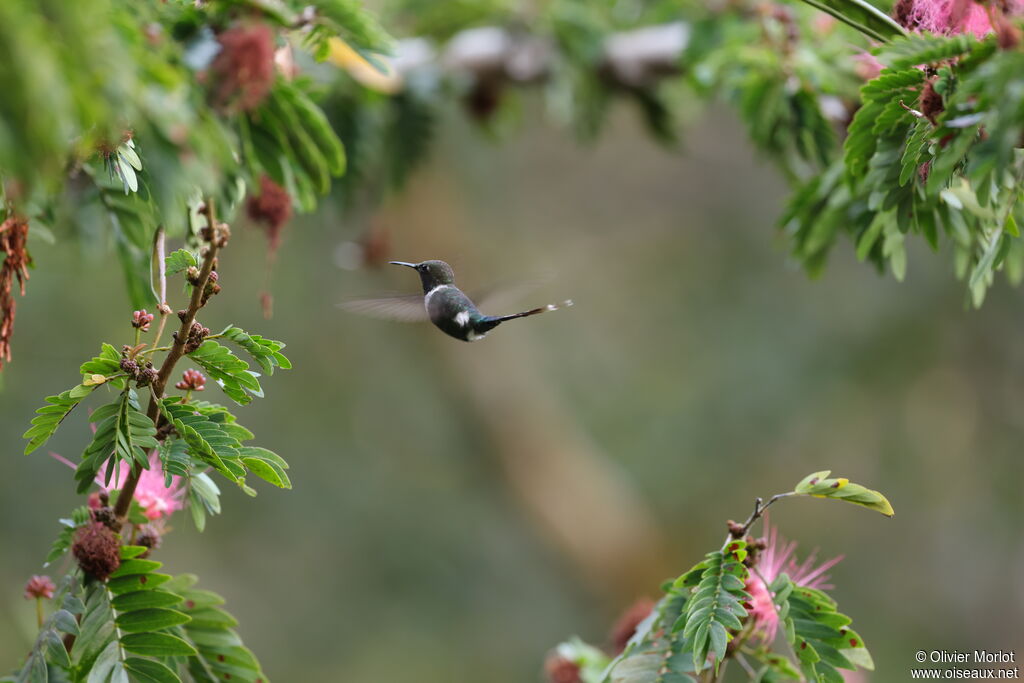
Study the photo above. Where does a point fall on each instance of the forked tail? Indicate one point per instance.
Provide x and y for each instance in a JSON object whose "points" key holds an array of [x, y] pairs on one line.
{"points": [[533, 311]]}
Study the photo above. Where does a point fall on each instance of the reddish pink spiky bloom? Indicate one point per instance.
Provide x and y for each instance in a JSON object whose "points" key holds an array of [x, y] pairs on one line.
{"points": [[39, 587], [272, 207], [949, 17], [561, 670], [191, 380], [13, 236], [778, 558], [625, 627], [142, 319], [244, 68], [156, 499]]}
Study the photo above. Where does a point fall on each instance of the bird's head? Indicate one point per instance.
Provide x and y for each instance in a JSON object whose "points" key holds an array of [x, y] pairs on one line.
{"points": [[432, 273]]}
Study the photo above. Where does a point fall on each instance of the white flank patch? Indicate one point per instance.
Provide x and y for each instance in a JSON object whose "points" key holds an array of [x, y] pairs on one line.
{"points": [[473, 336], [462, 318]]}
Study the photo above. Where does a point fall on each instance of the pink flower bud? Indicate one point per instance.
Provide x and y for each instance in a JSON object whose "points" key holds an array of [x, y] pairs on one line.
{"points": [[39, 587]]}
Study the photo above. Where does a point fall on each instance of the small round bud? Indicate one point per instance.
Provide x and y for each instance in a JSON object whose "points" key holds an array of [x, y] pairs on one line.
{"points": [[149, 536], [192, 380], [625, 627], [130, 368], [192, 275], [931, 102], [182, 314], [142, 319], [97, 550], [1007, 34], [562, 670], [147, 376], [39, 587]]}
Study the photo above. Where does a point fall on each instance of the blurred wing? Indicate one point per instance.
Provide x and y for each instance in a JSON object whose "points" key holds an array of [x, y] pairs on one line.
{"points": [[404, 309]]}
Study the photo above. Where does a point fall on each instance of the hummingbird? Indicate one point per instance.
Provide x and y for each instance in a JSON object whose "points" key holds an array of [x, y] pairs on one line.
{"points": [[444, 304]]}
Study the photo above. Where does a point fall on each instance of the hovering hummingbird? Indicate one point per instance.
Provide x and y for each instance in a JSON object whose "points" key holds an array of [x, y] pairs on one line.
{"points": [[442, 303]]}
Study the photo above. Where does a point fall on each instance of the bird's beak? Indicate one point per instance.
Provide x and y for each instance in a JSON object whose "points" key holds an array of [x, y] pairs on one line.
{"points": [[402, 263]]}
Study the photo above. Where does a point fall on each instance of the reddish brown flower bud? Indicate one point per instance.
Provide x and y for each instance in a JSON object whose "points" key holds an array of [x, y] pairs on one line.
{"points": [[142, 319], [561, 670], [39, 587], [192, 380], [130, 367], [243, 70], [97, 550], [930, 102], [272, 207], [625, 627], [1007, 34], [149, 536], [13, 236]]}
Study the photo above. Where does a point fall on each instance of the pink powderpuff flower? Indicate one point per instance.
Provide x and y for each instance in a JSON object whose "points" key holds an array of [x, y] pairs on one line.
{"points": [[156, 499], [949, 17], [39, 587], [867, 66], [778, 558]]}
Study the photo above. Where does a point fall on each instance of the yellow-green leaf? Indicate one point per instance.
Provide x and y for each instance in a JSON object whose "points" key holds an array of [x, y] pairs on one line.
{"points": [[820, 485]]}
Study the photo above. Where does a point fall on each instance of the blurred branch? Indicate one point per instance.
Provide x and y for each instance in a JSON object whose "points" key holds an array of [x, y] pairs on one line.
{"points": [[631, 58]]}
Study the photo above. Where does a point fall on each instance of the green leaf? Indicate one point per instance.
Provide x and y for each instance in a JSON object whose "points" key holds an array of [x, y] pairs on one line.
{"points": [[157, 645], [206, 440], [268, 471], [231, 372], [820, 485], [50, 416], [266, 352], [315, 122], [180, 260], [136, 582], [820, 635], [129, 551], [718, 593], [220, 650], [122, 431], [129, 567], [150, 671], [910, 50], [150, 619], [127, 602]]}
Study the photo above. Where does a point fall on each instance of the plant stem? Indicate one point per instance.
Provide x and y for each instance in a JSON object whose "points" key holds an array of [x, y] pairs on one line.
{"points": [[759, 508], [175, 353], [39, 612]]}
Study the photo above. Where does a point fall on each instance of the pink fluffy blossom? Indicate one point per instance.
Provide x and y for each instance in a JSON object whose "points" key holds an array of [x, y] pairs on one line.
{"points": [[949, 17], [156, 499], [778, 558]]}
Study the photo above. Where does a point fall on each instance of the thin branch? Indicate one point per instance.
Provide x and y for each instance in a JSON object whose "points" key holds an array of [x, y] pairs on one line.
{"points": [[759, 507], [162, 308], [175, 353]]}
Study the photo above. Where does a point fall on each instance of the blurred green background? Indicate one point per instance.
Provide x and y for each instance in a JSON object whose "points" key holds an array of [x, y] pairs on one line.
{"points": [[458, 509]]}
